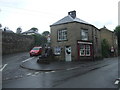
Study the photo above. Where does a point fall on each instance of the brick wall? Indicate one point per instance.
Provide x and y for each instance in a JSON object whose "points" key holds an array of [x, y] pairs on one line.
{"points": [[13, 43]]}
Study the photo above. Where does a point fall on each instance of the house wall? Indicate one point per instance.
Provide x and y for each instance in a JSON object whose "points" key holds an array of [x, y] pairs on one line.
{"points": [[110, 37], [73, 35]]}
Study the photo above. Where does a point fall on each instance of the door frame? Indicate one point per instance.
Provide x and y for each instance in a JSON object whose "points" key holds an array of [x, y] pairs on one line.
{"points": [[68, 54]]}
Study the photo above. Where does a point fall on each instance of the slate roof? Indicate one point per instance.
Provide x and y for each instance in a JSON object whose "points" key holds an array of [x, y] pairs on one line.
{"points": [[69, 19], [30, 31], [9, 31]]}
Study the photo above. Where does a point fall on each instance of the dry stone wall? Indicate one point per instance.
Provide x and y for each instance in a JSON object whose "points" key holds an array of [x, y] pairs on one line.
{"points": [[13, 43]]}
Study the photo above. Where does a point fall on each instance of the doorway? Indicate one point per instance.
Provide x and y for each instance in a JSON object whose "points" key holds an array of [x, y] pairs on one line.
{"points": [[68, 53]]}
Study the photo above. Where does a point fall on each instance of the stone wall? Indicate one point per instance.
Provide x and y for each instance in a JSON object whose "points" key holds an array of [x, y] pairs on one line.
{"points": [[13, 43], [73, 35]]}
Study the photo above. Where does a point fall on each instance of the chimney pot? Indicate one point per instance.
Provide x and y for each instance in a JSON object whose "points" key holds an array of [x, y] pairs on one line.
{"points": [[72, 14]]}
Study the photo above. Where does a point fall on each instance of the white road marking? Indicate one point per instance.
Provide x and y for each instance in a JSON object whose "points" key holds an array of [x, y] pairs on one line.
{"points": [[116, 82], [28, 59], [47, 72], [71, 68], [52, 71], [36, 72], [29, 74], [3, 67]]}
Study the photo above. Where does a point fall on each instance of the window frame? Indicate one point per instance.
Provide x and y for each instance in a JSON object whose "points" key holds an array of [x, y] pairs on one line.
{"points": [[62, 35], [85, 49], [86, 36]]}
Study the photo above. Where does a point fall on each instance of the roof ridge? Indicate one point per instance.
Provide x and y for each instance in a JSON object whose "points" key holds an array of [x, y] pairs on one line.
{"points": [[69, 19]]}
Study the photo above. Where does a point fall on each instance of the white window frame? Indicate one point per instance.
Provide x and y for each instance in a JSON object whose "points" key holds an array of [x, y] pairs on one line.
{"points": [[85, 49], [62, 35], [84, 34], [82, 50]]}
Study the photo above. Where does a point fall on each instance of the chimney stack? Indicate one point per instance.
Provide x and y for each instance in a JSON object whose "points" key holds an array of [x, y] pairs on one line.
{"points": [[72, 14]]}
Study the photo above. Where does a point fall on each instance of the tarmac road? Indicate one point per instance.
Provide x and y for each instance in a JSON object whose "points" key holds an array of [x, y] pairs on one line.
{"points": [[103, 77], [101, 74]]}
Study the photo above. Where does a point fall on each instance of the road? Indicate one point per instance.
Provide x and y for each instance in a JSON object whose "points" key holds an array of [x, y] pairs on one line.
{"points": [[101, 77]]}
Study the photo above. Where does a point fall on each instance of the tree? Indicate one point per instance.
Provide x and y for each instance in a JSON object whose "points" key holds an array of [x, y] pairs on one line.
{"points": [[117, 32], [0, 25], [34, 28], [45, 33], [39, 40], [105, 48]]}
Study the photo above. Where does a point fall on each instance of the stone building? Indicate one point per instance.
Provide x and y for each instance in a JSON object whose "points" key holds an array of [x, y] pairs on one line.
{"points": [[30, 32], [75, 39], [111, 38]]}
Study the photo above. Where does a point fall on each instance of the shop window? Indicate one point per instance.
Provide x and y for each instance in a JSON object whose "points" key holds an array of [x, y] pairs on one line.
{"points": [[85, 50], [82, 50], [62, 35]]}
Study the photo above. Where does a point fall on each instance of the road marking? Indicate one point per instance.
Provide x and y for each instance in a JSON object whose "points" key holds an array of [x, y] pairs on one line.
{"points": [[28, 59], [37, 72], [117, 81], [29, 74], [52, 71], [71, 68], [3, 67], [47, 72]]}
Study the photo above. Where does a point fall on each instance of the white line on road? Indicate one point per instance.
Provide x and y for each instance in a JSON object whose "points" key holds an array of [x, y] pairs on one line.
{"points": [[72, 68], [3, 67], [52, 71], [116, 82], [47, 72], [29, 74], [28, 59]]}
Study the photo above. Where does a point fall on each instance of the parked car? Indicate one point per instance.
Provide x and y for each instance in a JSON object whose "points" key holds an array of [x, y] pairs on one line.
{"points": [[36, 51]]}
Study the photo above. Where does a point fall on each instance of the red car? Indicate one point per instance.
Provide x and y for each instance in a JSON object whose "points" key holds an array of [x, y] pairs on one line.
{"points": [[36, 51]]}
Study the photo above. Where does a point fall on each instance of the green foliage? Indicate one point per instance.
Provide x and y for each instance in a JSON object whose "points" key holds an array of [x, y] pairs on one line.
{"points": [[45, 33], [105, 48], [39, 40], [34, 28], [117, 32]]}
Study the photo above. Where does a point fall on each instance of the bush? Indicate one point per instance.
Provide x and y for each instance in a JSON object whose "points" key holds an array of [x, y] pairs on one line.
{"points": [[105, 48]]}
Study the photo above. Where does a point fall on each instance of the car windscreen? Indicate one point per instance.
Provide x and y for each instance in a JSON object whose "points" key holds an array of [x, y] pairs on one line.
{"points": [[36, 49]]}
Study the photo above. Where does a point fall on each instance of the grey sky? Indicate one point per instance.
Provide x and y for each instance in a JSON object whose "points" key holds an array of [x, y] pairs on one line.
{"points": [[42, 13]]}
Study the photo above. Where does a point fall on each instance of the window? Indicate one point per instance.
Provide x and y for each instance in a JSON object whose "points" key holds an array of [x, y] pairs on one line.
{"points": [[84, 34], [57, 50], [84, 50], [87, 50], [62, 34]]}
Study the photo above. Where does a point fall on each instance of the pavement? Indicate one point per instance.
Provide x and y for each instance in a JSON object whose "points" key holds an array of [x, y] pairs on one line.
{"points": [[59, 65], [52, 66]]}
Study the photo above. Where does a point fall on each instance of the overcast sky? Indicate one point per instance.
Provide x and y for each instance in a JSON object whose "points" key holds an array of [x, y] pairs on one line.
{"points": [[42, 13]]}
